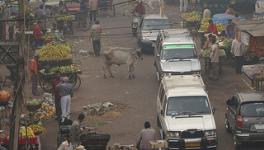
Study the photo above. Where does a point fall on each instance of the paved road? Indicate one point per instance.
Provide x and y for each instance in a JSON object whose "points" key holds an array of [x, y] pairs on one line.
{"points": [[139, 94]]}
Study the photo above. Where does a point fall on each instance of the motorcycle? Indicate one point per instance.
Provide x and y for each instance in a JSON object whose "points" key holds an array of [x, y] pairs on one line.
{"points": [[135, 24]]}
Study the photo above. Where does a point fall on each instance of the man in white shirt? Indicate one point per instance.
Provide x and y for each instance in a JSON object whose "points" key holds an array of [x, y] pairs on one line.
{"points": [[214, 57], [237, 50]]}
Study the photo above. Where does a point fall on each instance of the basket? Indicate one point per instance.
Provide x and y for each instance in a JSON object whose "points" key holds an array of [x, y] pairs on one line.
{"points": [[33, 108]]}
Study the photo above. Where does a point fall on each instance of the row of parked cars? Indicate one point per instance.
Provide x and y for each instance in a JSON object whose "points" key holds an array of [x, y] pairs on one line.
{"points": [[184, 112]]}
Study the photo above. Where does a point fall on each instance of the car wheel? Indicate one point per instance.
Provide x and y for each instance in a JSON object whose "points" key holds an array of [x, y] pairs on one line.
{"points": [[237, 144], [158, 122], [158, 76], [227, 126]]}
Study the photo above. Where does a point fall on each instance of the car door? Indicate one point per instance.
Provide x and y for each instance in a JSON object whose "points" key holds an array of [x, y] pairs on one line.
{"points": [[160, 101], [232, 105], [163, 114]]}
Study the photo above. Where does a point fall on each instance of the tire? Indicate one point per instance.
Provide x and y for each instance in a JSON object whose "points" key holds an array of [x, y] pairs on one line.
{"points": [[237, 144], [227, 126], [158, 122]]}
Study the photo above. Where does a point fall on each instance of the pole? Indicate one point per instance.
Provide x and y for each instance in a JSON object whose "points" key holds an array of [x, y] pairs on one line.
{"points": [[19, 84]]}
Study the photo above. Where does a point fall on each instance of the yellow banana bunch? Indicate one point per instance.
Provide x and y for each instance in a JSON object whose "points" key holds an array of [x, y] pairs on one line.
{"points": [[65, 18], [37, 128], [54, 51], [191, 16], [26, 132]]}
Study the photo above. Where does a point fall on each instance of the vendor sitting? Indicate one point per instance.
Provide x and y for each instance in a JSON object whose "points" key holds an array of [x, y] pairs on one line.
{"points": [[212, 27], [230, 29], [76, 130]]}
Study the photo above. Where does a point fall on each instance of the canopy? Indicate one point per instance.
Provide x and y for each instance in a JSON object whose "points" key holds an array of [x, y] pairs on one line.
{"points": [[222, 18], [253, 27]]}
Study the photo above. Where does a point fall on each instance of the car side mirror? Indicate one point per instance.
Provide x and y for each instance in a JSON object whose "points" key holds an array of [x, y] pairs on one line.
{"points": [[158, 55], [161, 112], [213, 110]]}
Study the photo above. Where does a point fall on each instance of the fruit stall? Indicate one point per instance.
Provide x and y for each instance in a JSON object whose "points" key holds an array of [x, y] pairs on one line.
{"points": [[252, 35], [191, 19], [30, 126], [55, 60]]}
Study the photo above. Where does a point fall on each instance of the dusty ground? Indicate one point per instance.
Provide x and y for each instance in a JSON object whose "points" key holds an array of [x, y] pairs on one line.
{"points": [[139, 94]]}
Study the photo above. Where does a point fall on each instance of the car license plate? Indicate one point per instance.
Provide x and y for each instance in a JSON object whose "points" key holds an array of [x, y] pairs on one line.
{"points": [[259, 126], [192, 145]]}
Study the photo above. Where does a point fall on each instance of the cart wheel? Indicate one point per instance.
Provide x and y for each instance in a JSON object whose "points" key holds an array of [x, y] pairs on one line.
{"points": [[78, 83]]}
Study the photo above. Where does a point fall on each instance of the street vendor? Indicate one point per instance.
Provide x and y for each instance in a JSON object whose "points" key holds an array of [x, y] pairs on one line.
{"points": [[207, 13], [212, 27], [230, 29], [33, 68], [37, 34], [208, 42], [76, 130]]}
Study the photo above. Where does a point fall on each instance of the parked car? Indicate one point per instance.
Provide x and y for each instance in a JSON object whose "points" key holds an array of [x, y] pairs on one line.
{"points": [[184, 113], [148, 30], [175, 53], [244, 118]]}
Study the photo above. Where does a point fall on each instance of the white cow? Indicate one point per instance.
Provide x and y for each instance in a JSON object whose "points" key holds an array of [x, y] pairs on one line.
{"points": [[119, 56]]}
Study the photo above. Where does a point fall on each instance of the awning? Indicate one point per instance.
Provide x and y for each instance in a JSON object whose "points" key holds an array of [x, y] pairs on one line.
{"points": [[253, 27]]}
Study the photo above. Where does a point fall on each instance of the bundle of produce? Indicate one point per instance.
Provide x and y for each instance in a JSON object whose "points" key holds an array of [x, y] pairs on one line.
{"points": [[48, 38], [205, 53], [34, 105], [46, 112], [220, 27], [54, 51], [191, 16], [64, 69], [37, 128], [26, 132], [65, 18], [225, 44], [204, 24]]}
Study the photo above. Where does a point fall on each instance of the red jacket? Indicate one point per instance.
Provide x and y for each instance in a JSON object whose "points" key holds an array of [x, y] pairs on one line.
{"points": [[37, 32], [140, 9], [212, 29]]}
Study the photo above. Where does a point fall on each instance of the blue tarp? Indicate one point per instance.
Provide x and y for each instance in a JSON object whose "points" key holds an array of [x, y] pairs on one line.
{"points": [[222, 18]]}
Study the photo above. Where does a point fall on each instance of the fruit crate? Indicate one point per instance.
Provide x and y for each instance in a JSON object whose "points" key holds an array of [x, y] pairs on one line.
{"points": [[95, 141]]}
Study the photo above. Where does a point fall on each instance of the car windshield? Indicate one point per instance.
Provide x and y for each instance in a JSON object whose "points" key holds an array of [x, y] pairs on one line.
{"points": [[179, 53], [252, 109], [189, 105], [155, 24]]}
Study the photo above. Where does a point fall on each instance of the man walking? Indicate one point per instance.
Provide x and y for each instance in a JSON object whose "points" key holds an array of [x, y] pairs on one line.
{"points": [[33, 68], [145, 136], [95, 36], [66, 91], [93, 7], [237, 50], [214, 56], [76, 130]]}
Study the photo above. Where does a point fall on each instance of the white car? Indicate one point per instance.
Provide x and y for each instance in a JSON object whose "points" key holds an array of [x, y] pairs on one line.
{"points": [[175, 53], [184, 113]]}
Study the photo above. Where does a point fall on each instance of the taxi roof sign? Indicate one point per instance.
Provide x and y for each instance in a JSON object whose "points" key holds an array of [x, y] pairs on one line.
{"points": [[178, 46]]}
